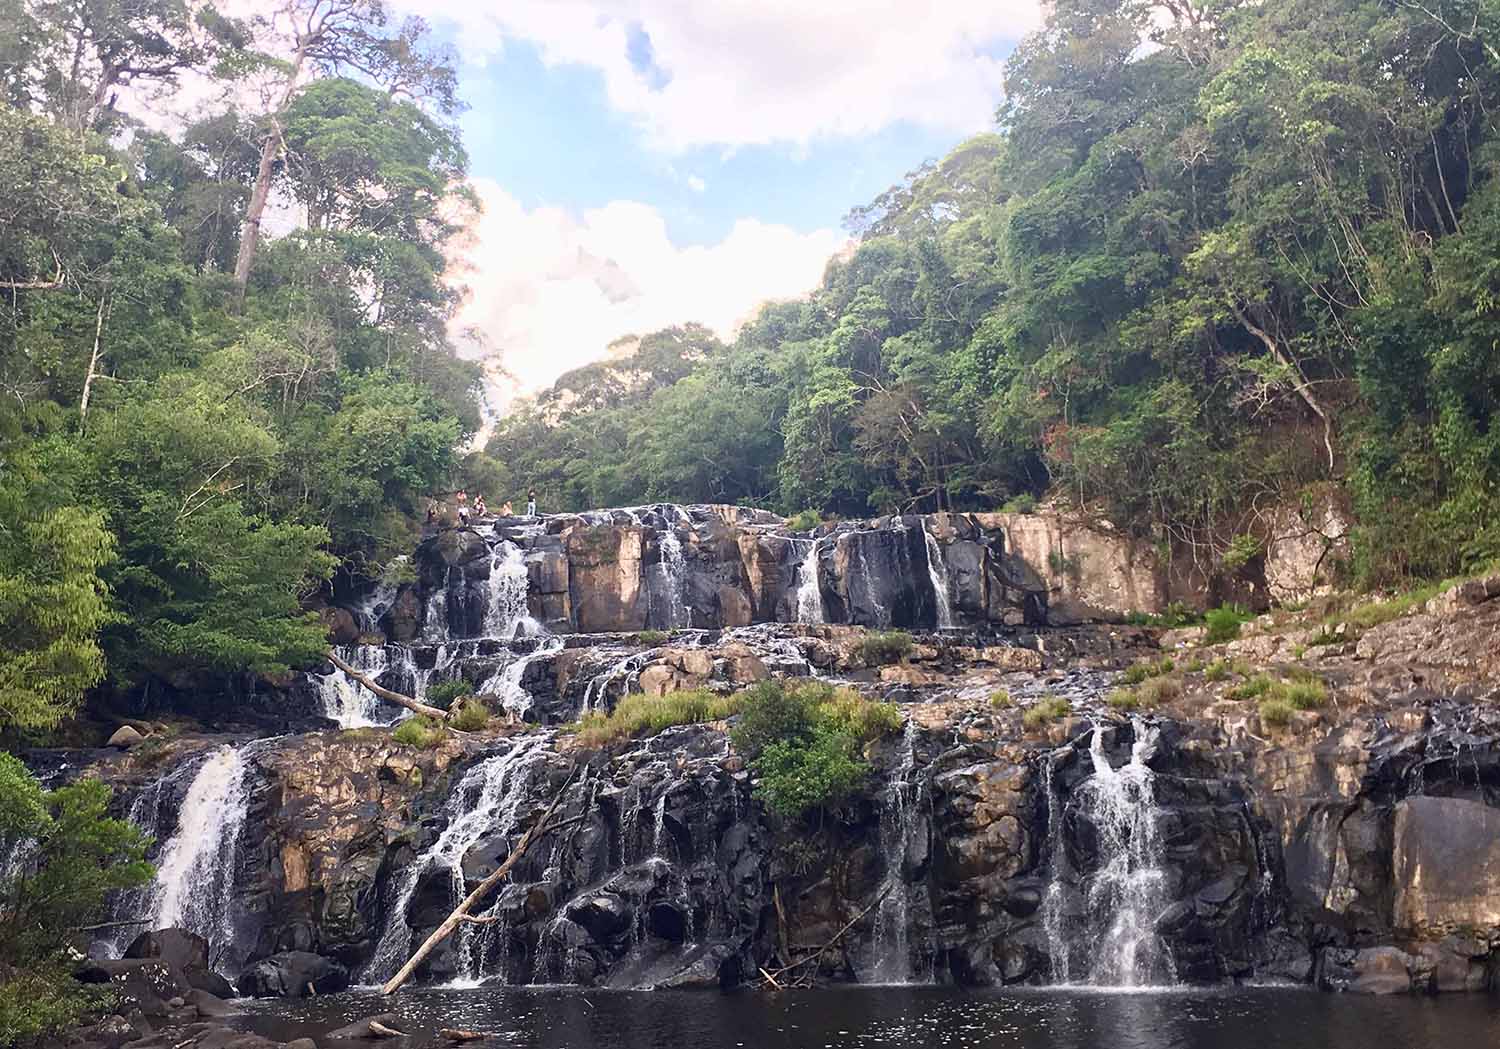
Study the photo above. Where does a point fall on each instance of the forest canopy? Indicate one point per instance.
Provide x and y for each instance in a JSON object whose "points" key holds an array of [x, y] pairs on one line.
{"points": [[1215, 258]]}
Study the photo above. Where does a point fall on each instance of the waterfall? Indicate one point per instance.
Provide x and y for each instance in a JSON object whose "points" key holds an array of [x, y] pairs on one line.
{"points": [[509, 585], [882, 614], [810, 589], [194, 887], [348, 702], [937, 571], [1126, 893], [435, 618], [1059, 945], [674, 573], [378, 601], [507, 683], [900, 823], [487, 802]]}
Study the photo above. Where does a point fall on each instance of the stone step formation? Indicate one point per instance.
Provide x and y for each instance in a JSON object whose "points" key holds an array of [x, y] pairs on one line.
{"points": [[991, 845]]}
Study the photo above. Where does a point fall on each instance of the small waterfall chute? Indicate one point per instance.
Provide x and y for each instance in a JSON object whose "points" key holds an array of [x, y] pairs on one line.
{"points": [[937, 572], [349, 703], [488, 801], [810, 588], [674, 579], [1127, 891], [890, 957], [507, 614], [508, 683]]}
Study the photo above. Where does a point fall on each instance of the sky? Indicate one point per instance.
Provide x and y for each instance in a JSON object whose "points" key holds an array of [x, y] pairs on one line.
{"points": [[644, 163]]}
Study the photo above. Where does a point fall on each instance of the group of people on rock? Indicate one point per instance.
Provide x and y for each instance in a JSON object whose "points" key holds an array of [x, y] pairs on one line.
{"points": [[437, 510]]}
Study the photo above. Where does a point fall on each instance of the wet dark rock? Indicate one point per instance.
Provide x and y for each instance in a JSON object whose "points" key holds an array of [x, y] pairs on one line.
{"points": [[293, 974]]}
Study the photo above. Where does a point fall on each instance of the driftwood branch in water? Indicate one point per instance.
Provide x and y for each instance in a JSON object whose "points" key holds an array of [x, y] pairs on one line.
{"points": [[463, 1036], [385, 693], [542, 826], [114, 925], [774, 979]]}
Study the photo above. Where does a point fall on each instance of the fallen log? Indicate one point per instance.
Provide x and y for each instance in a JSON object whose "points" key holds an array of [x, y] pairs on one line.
{"points": [[541, 827], [385, 693], [775, 979], [454, 1035]]}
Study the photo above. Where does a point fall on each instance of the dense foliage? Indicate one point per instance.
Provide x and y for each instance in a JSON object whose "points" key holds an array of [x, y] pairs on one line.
{"points": [[62, 855], [200, 425], [1250, 264]]}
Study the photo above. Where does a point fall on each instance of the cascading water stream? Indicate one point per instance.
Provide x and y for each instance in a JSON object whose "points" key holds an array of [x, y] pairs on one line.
{"points": [[1127, 891], [507, 684], [348, 702], [937, 571], [196, 870], [486, 802], [507, 615], [674, 576], [900, 823], [810, 589]]}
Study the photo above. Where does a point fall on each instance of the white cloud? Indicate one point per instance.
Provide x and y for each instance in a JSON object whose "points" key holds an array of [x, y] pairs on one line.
{"points": [[696, 184], [750, 72], [550, 290]]}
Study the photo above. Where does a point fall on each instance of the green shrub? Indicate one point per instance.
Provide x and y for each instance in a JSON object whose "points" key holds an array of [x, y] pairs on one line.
{"points": [[444, 693], [804, 740], [1023, 503], [1224, 623], [472, 716], [639, 714], [44, 999], [1123, 699], [1177, 614], [1258, 685], [804, 521], [1045, 711], [886, 646], [1000, 699], [420, 732], [1194, 666], [1218, 670], [652, 638], [797, 776], [1276, 712], [80, 854]]}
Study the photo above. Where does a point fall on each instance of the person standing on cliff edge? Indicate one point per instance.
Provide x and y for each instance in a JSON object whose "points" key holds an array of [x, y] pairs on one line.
{"points": [[531, 503]]}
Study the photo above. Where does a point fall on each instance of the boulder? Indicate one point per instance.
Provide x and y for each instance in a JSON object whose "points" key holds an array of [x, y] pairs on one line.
{"points": [[1446, 868], [146, 982], [290, 974], [178, 948], [124, 738], [340, 624]]}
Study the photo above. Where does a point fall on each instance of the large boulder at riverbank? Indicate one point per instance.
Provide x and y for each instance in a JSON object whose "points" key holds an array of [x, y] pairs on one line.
{"points": [[293, 974]]}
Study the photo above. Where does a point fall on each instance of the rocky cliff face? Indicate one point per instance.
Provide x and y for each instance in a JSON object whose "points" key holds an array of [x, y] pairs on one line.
{"points": [[1192, 840]]}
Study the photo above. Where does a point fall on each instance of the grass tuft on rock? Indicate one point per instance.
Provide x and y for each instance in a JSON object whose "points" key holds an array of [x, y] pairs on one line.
{"points": [[472, 716], [882, 647], [639, 714], [420, 732], [1045, 711]]}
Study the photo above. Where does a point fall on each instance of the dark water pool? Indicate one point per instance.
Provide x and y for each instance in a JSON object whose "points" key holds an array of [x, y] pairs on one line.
{"points": [[905, 1017]]}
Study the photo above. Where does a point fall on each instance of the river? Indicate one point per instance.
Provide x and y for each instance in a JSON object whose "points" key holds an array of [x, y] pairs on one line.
{"points": [[902, 1018]]}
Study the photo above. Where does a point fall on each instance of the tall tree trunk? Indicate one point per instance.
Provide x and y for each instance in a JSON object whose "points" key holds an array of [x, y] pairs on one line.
{"points": [[88, 379], [1302, 387], [270, 149]]}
